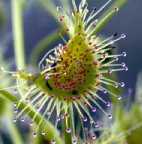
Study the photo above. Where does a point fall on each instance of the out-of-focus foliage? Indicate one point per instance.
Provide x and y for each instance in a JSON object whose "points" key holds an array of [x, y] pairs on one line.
{"points": [[131, 121], [127, 123], [2, 15], [5, 82]]}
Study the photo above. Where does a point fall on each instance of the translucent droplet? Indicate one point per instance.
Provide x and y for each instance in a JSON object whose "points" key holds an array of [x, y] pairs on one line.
{"points": [[58, 119], [92, 122], [27, 100], [116, 9], [95, 22], [94, 109], [110, 116], [53, 142], [15, 120], [22, 120], [58, 8], [126, 69], [93, 137], [43, 133], [15, 111], [15, 105], [116, 85], [97, 125], [85, 119], [74, 141], [123, 65], [115, 34], [105, 91], [31, 124], [34, 134], [15, 91], [68, 130], [124, 54], [119, 98], [110, 71], [123, 36], [47, 77], [108, 104], [122, 84], [2, 68], [116, 59], [62, 117]]}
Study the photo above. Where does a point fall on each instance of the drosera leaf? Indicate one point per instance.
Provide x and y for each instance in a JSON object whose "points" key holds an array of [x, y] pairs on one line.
{"points": [[18, 33], [52, 132]]}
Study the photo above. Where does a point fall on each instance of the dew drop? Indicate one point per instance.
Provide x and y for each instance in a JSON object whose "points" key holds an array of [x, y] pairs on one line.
{"points": [[122, 84], [119, 98], [31, 123], [15, 91], [124, 54], [123, 64], [27, 100], [22, 120], [108, 104], [48, 113], [116, 9], [126, 68], [74, 141], [110, 71], [53, 142], [85, 119], [34, 134], [97, 125], [58, 119], [93, 137], [58, 8], [15, 120], [115, 34], [95, 22], [116, 59], [68, 130], [105, 91], [116, 85], [123, 36], [15, 105], [62, 117], [2, 68], [43, 133], [110, 116], [94, 109], [15, 111], [47, 77], [92, 122]]}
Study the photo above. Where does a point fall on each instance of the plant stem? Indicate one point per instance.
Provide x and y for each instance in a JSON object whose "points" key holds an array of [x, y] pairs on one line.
{"points": [[17, 23], [47, 126]]}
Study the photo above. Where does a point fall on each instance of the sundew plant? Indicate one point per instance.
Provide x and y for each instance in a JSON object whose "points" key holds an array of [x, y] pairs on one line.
{"points": [[72, 81]]}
